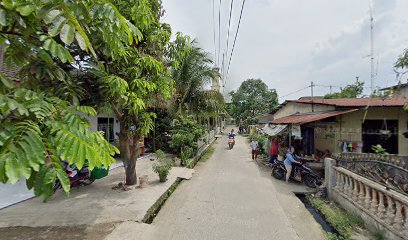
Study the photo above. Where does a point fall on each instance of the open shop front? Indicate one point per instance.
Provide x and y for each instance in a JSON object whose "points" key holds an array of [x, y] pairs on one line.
{"points": [[312, 134]]}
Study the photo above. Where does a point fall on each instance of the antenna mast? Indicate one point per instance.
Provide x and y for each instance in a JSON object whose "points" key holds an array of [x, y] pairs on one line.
{"points": [[372, 47]]}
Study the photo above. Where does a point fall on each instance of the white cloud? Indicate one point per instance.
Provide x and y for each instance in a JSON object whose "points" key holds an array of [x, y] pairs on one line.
{"points": [[290, 43]]}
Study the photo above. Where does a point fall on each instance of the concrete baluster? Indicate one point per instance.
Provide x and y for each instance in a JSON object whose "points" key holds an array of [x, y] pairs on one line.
{"points": [[367, 200], [339, 186], [346, 184], [361, 195], [355, 190], [338, 181], [390, 213], [406, 220], [381, 207], [398, 220], [374, 201], [349, 186]]}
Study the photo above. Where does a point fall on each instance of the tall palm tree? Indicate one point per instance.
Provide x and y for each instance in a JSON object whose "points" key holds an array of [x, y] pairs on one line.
{"points": [[191, 77]]}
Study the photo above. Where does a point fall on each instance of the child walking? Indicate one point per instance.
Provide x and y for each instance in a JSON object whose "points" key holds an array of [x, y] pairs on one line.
{"points": [[254, 146]]}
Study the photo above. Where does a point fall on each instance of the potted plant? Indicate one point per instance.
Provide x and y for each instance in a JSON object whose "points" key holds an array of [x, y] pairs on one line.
{"points": [[162, 166]]}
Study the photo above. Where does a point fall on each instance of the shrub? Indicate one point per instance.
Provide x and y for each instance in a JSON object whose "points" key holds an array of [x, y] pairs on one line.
{"points": [[186, 153], [162, 166], [262, 139], [185, 134]]}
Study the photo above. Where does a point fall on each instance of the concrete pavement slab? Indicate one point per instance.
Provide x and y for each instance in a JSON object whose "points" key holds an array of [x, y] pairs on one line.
{"points": [[230, 198], [94, 204]]}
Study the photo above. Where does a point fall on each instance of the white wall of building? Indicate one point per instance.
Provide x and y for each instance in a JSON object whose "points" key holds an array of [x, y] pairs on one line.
{"points": [[94, 122]]}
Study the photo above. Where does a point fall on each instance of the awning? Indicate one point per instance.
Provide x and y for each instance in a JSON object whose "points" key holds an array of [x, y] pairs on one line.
{"points": [[272, 129], [309, 117]]}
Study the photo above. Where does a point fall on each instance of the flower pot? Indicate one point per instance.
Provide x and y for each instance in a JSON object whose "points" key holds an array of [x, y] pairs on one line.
{"points": [[143, 181], [163, 178]]}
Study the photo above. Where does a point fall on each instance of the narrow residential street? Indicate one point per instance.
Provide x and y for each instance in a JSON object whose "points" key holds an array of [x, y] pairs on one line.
{"points": [[231, 197]]}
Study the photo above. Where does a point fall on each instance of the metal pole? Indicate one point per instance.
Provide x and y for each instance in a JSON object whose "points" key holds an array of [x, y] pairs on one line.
{"points": [[290, 135], [311, 87], [372, 48]]}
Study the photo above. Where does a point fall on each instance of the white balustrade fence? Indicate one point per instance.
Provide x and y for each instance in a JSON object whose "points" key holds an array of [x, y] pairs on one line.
{"points": [[387, 207]]}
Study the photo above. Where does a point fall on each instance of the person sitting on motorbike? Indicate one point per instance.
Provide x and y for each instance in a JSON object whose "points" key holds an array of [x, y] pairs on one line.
{"points": [[231, 135], [289, 160]]}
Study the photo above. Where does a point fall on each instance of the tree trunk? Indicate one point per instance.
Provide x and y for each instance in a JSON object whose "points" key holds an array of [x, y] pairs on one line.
{"points": [[131, 176], [129, 154], [130, 171]]}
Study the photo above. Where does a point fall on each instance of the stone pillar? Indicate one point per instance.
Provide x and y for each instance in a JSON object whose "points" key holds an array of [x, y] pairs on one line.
{"points": [[329, 175]]}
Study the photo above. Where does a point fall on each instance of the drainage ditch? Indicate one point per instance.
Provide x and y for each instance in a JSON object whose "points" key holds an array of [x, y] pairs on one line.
{"points": [[317, 215], [155, 209]]}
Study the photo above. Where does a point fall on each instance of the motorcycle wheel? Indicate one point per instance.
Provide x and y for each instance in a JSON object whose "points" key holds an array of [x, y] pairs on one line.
{"points": [[278, 173], [310, 181], [230, 146], [88, 181]]}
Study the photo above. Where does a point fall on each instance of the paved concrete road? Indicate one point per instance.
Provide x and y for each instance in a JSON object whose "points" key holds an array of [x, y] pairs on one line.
{"points": [[230, 197]]}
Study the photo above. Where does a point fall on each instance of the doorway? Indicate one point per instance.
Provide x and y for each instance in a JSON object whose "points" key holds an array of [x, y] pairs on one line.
{"points": [[308, 140], [106, 125], [373, 135]]}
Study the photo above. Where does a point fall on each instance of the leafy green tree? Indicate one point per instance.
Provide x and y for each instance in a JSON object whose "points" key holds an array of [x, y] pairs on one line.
{"points": [[49, 41], [129, 85], [252, 99], [350, 91], [207, 103], [38, 132], [402, 61], [192, 73]]}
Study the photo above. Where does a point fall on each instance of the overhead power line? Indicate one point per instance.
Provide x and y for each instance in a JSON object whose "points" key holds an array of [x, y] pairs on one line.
{"points": [[235, 40], [215, 41], [295, 92], [228, 33], [219, 31]]}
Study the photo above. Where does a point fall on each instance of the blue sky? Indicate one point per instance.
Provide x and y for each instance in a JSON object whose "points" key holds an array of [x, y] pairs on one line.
{"points": [[289, 43]]}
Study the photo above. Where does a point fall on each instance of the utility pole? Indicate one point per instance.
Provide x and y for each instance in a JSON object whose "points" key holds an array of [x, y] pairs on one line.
{"points": [[372, 48], [311, 88], [331, 88]]}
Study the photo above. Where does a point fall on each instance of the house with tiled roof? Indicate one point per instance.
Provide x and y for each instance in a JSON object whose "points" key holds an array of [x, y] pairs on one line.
{"points": [[397, 91], [345, 124]]}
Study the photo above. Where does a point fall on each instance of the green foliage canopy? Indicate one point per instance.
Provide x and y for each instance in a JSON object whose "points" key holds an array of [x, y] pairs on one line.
{"points": [[252, 99], [185, 134], [38, 132], [49, 40], [192, 71], [350, 91]]}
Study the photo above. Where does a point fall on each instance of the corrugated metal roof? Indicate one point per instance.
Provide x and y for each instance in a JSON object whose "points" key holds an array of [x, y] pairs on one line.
{"points": [[309, 117], [357, 102]]}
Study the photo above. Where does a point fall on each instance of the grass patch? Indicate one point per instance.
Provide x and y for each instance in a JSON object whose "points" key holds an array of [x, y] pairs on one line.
{"points": [[355, 219], [344, 222], [378, 236], [204, 156], [337, 218], [208, 152]]}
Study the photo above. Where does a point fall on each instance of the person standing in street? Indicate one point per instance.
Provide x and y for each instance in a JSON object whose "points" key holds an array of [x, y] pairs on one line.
{"points": [[254, 147], [274, 151], [289, 160]]}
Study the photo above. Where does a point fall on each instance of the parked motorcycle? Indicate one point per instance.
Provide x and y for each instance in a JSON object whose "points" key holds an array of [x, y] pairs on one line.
{"points": [[300, 173], [76, 177], [231, 143]]}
